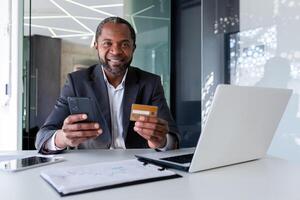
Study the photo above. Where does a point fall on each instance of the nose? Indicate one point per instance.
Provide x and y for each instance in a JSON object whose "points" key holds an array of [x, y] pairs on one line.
{"points": [[115, 49]]}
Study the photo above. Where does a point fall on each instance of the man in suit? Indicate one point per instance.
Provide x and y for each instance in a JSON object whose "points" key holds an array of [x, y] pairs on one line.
{"points": [[114, 85]]}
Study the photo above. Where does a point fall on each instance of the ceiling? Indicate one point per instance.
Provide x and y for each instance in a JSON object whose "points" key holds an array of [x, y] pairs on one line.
{"points": [[72, 20]]}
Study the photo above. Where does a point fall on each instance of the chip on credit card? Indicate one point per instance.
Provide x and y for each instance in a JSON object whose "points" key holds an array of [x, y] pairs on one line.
{"points": [[138, 110]]}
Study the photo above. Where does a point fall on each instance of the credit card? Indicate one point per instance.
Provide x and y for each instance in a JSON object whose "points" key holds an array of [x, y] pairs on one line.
{"points": [[138, 110]]}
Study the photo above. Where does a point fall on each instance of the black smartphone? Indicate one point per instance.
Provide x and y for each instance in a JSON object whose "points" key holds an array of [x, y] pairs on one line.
{"points": [[83, 105]]}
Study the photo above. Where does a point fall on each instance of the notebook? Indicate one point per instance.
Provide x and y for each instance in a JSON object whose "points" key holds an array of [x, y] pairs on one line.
{"points": [[105, 175], [239, 128]]}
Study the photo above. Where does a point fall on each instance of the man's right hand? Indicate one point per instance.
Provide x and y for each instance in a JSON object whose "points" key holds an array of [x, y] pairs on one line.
{"points": [[73, 133]]}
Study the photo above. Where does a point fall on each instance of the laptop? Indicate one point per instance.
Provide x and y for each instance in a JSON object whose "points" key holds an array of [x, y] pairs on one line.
{"points": [[239, 128]]}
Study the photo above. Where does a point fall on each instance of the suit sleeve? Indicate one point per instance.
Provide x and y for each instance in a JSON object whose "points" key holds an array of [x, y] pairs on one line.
{"points": [[158, 99], [56, 118]]}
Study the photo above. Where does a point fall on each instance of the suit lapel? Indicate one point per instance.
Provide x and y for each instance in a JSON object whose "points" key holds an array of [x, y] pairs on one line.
{"points": [[130, 94], [100, 89]]}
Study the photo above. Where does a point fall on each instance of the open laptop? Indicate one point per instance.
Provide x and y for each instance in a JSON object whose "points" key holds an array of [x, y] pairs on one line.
{"points": [[239, 128]]}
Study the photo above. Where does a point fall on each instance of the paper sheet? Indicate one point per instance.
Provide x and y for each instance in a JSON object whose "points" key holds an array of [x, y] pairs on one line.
{"points": [[80, 178]]}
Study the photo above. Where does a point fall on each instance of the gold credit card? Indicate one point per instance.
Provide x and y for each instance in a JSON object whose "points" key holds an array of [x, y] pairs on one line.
{"points": [[138, 110]]}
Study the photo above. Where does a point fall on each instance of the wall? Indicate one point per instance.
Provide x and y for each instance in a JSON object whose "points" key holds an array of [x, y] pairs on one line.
{"points": [[75, 55], [219, 19], [186, 69], [198, 59]]}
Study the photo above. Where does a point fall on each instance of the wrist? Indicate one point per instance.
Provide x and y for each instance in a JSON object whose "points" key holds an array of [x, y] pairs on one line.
{"points": [[59, 140], [163, 143], [158, 145]]}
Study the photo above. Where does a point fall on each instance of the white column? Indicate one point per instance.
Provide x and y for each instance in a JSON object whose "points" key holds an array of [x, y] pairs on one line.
{"points": [[11, 41]]}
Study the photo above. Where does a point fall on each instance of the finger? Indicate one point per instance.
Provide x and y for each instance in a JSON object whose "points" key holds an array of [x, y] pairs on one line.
{"points": [[152, 126], [149, 134], [153, 141], [76, 142], [75, 118], [152, 120], [81, 126], [82, 134]]}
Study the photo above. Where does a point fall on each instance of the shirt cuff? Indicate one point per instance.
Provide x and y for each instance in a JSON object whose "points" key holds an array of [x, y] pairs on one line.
{"points": [[50, 144], [169, 144]]}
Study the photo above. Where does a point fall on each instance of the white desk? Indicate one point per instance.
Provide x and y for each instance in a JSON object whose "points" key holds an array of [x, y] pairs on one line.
{"points": [[266, 179]]}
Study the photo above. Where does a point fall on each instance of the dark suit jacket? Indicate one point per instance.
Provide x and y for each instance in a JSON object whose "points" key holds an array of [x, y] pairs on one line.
{"points": [[140, 87]]}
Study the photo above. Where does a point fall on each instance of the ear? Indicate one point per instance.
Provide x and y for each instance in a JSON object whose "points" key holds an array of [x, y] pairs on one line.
{"points": [[96, 45]]}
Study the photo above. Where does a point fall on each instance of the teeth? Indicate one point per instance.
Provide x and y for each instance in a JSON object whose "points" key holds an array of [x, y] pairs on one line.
{"points": [[117, 61]]}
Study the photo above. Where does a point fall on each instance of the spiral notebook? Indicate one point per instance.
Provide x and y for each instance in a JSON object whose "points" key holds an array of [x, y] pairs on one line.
{"points": [[100, 176]]}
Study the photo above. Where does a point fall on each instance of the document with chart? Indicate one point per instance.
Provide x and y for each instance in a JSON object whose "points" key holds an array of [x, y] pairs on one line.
{"points": [[84, 178]]}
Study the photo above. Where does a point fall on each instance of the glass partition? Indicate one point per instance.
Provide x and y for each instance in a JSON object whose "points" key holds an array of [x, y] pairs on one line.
{"points": [[266, 53], [151, 21], [58, 39]]}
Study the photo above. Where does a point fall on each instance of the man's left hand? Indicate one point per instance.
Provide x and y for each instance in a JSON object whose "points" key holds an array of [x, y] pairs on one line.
{"points": [[153, 129]]}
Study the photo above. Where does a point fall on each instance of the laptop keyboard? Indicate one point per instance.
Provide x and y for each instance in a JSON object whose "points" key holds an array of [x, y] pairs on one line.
{"points": [[187, 158]]}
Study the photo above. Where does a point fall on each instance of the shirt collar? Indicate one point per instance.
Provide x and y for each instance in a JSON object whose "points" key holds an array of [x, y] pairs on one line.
{"points": [[121, 85]]}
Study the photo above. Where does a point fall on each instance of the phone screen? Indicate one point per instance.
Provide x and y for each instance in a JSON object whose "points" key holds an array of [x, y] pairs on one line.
{"points": [[23, 163]]}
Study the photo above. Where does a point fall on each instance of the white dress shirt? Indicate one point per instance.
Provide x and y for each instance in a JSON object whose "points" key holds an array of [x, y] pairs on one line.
{"points": [[115, 96]]}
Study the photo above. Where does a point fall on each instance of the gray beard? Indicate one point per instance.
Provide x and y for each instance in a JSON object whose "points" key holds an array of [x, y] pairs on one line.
{"points": [[121, 70]]}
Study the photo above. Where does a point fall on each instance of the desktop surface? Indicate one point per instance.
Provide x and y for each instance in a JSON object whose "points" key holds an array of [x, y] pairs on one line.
{"points": [[268, 178]]}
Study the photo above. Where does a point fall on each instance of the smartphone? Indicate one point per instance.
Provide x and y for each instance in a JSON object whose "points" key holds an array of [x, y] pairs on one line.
{"points": [[83, 105], [27, 162]]}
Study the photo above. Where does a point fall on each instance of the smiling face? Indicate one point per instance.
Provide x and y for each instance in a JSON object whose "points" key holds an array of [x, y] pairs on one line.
{"points": [[115, 48]]}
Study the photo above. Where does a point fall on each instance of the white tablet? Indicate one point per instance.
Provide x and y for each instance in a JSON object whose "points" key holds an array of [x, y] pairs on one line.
{"points": [[28, 162]]}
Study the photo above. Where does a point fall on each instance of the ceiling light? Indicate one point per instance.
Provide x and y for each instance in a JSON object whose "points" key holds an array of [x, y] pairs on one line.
{"points": [[62, 9], [62, 17], [52, 32], [90, 8], [108, 5], [74, 35], [47, 17], [54, 28]]}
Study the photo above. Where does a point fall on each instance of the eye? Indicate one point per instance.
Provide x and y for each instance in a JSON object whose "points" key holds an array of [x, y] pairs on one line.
{"points": [[106, 44], [125, 45]]}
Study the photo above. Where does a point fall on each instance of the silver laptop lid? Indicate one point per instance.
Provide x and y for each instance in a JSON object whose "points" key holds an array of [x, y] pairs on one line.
{"points": [[240, 125]]}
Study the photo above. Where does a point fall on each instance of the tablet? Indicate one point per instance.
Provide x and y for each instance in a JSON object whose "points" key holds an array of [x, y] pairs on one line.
{"points": [[27, 162]]}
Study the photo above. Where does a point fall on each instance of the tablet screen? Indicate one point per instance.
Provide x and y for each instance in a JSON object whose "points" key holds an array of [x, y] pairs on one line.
{"points": [[23, 163]]}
